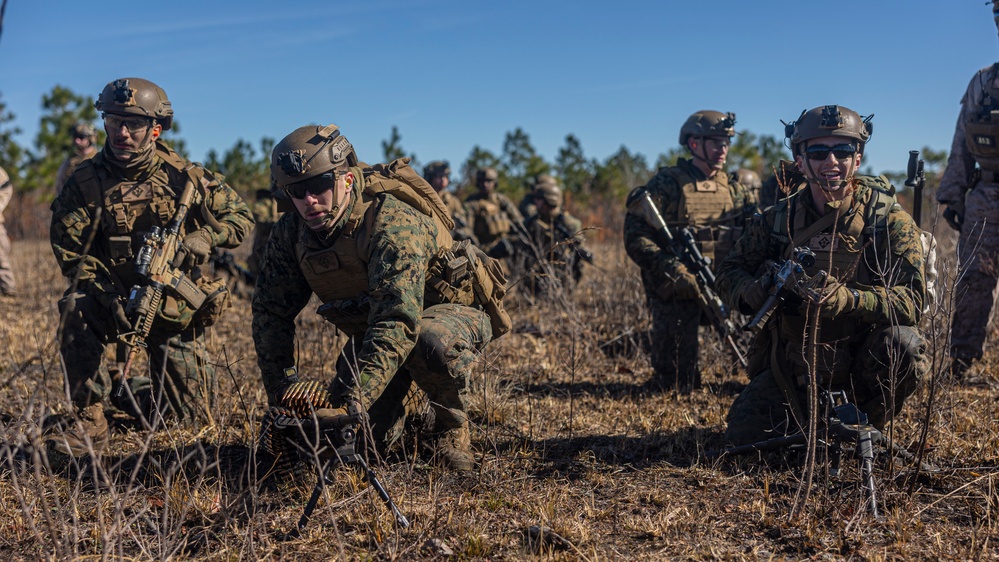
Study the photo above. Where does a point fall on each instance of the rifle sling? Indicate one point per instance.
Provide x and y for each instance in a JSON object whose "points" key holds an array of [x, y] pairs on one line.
{"points": [[818, 226], [780, 376]]}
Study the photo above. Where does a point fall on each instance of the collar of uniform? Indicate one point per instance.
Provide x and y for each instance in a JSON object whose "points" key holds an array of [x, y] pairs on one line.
{"points": [[687, 165]]}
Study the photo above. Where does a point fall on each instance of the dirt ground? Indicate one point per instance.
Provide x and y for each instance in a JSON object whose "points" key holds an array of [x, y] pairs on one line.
{"points": [[578, 458]]}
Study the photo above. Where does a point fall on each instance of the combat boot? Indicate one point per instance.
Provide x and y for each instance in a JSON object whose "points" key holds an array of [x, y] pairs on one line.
{"points": [[90, 425], [454, 449]]}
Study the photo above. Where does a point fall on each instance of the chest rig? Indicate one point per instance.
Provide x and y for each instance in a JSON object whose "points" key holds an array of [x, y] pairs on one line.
{"points": [[981, 120], [489, 220], [130, 208], [708, 207], [842, 242]]}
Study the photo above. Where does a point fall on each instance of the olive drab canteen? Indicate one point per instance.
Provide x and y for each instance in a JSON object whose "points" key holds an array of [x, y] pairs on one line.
{"points": [[82, 129], [829, 121], [436, 169], [308, 152], [707, 123], [135, 96]]}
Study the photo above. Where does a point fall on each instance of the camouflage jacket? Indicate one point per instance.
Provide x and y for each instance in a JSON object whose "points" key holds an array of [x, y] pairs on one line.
{"points": [[462, 223], [79, 213], [70, 164], [402, 242], [548, 233], [890, 258], [645, 245]]}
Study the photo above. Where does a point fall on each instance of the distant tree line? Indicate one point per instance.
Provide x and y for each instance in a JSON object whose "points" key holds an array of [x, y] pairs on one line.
{"points": [[247, 166]]}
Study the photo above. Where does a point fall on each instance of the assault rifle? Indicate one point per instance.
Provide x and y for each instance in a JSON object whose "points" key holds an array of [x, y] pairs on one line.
{"points": [[158, 266], [224, 260], [843, 423], [640, 204], [789, 279], [582, 252], [916, 179], [333, 441]]}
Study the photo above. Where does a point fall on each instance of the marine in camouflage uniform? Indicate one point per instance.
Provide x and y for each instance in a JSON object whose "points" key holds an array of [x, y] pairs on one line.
{"points": [[494, 217], [438, 175], [527, 206], [7, 285], [552, 258], [265, 215], [695, 193], [867, 342], [99, 222], [84, 148], [969, 188], [375, 261]]}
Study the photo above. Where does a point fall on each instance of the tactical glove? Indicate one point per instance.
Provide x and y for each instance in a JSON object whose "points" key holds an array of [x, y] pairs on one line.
{"points": [[755, 295], [954, 215], [115, 305], [682, 285], [837, 299], [199, 246]]}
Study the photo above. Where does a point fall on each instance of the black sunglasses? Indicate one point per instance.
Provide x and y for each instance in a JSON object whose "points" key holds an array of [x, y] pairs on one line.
{"points": [[316, 186], [820, 152]]}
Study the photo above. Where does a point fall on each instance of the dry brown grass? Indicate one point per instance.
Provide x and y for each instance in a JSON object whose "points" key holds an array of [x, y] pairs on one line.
{"points": [[568, 436]]}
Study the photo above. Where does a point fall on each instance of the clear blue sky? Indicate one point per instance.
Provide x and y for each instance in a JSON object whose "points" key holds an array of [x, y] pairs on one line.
{"points": [[452, 74]]}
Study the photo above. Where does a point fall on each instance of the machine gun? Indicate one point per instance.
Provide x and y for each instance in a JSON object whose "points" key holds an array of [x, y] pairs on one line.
{"points": [[640, 204], [790, 279], [843, 423], [158, 265], [916, 180], [224, 260], [332, 440]]}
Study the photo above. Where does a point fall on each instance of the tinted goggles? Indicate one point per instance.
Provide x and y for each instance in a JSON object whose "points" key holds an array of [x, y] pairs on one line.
{"points": [[820, 152], [133, 123], [315, 186]]}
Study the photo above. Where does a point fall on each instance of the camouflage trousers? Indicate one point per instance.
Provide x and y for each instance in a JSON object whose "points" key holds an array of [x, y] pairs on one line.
{"points": [[978, 252], [6, 267], [885, 368], [450, 339], [181, 381], [675, 346]]}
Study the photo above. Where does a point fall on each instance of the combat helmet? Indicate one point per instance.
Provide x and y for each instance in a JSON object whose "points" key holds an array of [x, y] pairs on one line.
{"points": [[136, 96], [82, 129], [748, 178], [708, 123], [436, 169], [829, 121], [550, 192], [308, 152], [483, 174]]}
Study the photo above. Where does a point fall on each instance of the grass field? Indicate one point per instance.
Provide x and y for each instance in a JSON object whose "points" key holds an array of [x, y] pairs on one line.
{"points": [[569, 439]]}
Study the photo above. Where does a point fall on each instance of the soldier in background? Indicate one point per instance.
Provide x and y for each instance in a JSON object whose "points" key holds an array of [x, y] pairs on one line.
{"points": [[494, 217], [527, 206], [969, 188], [695, 193], [265, 215], [553, 260], [84, 148], [867, 341], [7, 286], [99, 224], [438, 175], [374, 244], [750, 181]]}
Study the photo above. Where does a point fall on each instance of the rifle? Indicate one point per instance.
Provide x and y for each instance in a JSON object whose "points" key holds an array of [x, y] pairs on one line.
{"points": [[789, 279], [333, 441], [158, 264], [843, 423], [582, 252], [225, 261], [916, 179], [685, 248]]}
